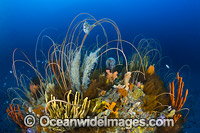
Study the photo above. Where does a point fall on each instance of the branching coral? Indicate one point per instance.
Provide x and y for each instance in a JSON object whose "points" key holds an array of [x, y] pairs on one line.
{"points": [[16, 115], [72, 88], [179, 102], [111, 108], [111, 76]]}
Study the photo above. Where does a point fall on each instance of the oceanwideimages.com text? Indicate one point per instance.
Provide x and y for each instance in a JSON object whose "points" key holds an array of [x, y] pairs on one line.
{"points": [[45, 121]]}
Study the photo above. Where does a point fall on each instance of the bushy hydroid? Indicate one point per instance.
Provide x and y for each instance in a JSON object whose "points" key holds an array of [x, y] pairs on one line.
{"points": [[75, 71], [89, 65]]}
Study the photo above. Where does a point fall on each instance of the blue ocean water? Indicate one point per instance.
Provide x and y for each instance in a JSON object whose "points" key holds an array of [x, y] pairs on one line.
{"points": [[174, 24]]}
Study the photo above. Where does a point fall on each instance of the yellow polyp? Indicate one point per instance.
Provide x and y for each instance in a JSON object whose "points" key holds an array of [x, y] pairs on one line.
{"points": [[45, 129], [86, 110], [46, 97], [171, 114], [107, 81], [104, 102], [142, 87], [54, 103]]}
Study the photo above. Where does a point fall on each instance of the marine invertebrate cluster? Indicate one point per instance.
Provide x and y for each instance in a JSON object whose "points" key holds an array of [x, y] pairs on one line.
{"points": [[75, 66], [67, 109], [179, 102], [79, 87], [111, 76], [16, 115], [89, 65]]}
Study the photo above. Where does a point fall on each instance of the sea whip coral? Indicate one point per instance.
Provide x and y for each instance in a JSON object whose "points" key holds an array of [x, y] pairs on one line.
{"points": [[16, 115]]}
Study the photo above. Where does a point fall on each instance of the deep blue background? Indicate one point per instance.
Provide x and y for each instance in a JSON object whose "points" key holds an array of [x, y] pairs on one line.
{"points": [[175, 24]]}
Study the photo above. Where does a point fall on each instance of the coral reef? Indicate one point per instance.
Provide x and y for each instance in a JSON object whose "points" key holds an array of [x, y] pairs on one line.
{"points": [[95, 86]]}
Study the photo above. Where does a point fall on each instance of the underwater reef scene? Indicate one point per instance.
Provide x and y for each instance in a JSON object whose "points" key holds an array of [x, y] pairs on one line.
{"points": [[102, 79]]}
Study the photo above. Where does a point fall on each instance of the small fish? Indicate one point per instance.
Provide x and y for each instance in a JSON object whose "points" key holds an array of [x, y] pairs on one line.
{"points": [[167, 66], [10, 72]]}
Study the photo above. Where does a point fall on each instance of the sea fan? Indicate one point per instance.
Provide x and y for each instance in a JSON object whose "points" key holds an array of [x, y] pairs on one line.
{"points": [[75, 66], [89, 65]]}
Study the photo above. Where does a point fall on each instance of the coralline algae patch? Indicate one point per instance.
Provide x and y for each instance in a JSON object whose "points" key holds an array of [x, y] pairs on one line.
{"points": [[81, 85]]}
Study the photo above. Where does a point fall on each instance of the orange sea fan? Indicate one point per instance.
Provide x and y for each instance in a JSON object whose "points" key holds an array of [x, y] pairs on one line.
{"points": [[16, 115]]}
